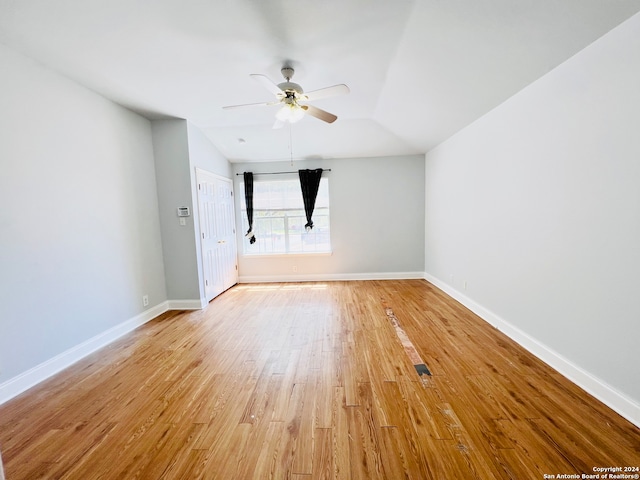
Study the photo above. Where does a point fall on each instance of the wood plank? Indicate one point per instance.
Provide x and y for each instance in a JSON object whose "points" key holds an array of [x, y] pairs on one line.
{"points": [[305, 443], [341, 457], [364, 442], [322, 454], [289, 443]]}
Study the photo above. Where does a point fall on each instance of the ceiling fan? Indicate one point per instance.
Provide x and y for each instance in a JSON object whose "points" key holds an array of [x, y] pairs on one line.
{"points": [[293, 100]]}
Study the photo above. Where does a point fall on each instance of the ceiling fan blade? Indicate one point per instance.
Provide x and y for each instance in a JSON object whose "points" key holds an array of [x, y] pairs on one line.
{"points": [[266, 83], [319, 113], [262, 104], [278, 124], [341, 89]]}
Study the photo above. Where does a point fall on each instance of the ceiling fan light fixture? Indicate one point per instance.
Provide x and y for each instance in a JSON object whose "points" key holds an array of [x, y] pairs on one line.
{"points": [[290, 112]]}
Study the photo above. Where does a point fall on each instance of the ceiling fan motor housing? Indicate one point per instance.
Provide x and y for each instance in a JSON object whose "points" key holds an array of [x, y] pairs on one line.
{"points": [[290, 87]]}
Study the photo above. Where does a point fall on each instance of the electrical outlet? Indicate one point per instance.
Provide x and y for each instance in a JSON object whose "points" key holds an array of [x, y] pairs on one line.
{"points": [[295, 269], [145, 300]]}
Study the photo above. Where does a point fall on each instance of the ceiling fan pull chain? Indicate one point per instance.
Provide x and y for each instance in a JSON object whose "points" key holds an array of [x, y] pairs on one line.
{"points": [[290, 144]]}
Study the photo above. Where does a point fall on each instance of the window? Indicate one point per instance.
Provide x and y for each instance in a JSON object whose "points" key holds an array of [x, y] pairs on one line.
{"points": [[279, 218]]}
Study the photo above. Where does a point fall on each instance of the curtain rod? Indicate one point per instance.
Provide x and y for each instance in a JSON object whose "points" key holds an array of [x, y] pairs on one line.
{"points": [[280, 173]]}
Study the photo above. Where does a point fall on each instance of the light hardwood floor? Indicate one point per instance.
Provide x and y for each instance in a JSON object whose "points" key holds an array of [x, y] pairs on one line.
{"points": [[310, 381]]}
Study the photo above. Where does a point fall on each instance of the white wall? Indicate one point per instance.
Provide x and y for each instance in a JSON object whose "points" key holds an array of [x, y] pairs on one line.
{"points": [[79, 228], [203, 154], [171, 149], [377, 226], [537, 207]]}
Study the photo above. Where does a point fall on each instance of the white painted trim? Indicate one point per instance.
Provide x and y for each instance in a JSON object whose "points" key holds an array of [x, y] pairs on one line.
{"points": [[187, 304], [207, 172], [16, 385], [251, 256], [330, 277], [593, 385]]}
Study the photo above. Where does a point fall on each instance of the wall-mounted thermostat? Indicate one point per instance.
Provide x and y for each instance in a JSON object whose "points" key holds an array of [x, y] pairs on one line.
{"points": [[183, 212]]}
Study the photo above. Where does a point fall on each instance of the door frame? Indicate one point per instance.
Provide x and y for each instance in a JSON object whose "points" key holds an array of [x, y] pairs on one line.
{"points": [[199, 172]]}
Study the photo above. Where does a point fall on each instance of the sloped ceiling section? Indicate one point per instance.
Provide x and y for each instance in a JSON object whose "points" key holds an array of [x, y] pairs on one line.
{"points": [[418, 71], [459, 59]]}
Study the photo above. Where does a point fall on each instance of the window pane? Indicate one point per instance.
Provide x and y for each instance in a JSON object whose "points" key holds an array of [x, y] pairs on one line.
{"points": [[279, 218], [271, 237]]}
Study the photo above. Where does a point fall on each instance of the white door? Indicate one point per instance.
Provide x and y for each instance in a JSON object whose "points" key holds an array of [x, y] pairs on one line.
{"points": [[217, 232]]}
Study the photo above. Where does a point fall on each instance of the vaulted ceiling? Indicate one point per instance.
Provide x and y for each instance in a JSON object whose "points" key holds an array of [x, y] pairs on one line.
{"points": [[418, 70]]}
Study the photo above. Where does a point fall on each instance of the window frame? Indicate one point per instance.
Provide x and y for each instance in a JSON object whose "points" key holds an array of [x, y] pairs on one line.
{"points": [[289, 213]]}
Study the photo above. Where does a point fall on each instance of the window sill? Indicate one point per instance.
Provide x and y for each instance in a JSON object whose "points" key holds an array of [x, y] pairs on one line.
{"points": [[287, 255]]}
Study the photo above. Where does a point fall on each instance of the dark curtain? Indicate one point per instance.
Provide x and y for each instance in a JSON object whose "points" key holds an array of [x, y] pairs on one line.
{"points": [[309, 183], [248, 198]]}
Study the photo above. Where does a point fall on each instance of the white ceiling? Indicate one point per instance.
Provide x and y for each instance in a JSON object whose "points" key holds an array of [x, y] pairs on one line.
{"points": [[419, 70]]}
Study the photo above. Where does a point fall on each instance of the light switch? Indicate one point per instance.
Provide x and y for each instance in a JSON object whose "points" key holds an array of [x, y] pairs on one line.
{"points": [[183, 221]]}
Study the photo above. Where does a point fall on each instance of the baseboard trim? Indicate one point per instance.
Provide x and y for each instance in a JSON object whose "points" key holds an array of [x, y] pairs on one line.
{"points": [[331, 277], [186, 304], [16, 385], [593, 385]]}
